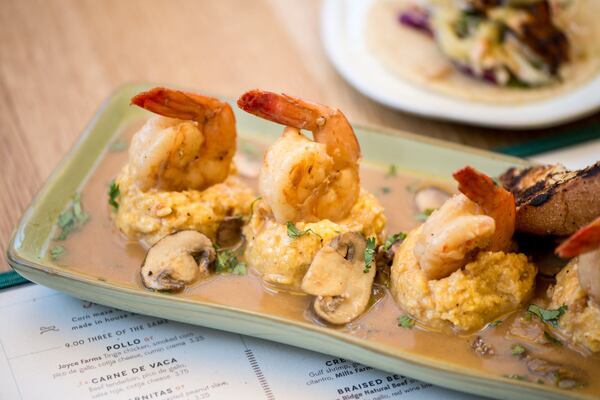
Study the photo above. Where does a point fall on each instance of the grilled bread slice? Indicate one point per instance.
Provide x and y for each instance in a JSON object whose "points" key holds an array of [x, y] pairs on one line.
{"points": [[552, 200]]}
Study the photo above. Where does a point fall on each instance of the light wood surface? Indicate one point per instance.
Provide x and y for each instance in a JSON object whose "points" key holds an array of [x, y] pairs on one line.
{"points": [[60, 58]]}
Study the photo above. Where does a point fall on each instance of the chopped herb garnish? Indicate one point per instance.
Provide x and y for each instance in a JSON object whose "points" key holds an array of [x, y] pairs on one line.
{"points": [[517, 350], [552, 339], [517, 377], [495, 323], [252, 207], [113, 193], [56, 252], [71, 219], [389, 242], [228, 263], [549, 316], [406, 322], [392, 171], [515, 82], [369, 254], [78, 212], [466, 24], [385, 189], [118, 145], [424, 215], [239, 269], [295, 233]]}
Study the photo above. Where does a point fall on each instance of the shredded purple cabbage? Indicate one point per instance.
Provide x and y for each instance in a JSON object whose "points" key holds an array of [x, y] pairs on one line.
{"points": [[487, 75], [416, 18]]}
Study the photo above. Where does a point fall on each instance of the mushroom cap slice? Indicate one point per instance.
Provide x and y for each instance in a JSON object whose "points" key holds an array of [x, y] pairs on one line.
{"points": [[430, 198], [229, 232], [337, 277], [177, 260]]}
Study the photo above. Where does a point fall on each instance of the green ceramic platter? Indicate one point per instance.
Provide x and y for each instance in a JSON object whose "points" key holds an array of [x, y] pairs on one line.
{"points": [[409, 152]]}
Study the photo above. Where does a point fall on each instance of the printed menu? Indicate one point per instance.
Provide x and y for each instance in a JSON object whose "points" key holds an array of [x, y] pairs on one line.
{"points": [[53, 346]]}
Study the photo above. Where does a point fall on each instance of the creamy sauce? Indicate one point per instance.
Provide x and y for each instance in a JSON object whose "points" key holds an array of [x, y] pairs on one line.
{"points": [[102, 252]]}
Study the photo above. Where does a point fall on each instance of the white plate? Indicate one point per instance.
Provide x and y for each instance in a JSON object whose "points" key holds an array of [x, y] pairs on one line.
{"points": [[342, 32]]}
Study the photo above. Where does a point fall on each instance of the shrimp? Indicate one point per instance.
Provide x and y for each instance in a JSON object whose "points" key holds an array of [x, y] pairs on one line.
{"points": [[302, 179], [189, 145], [585, 243], [584, 240], [495, 201], [482, 217]]}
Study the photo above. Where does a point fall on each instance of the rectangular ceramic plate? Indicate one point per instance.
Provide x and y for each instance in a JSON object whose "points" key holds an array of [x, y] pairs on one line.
{"points": [[409, 152]]}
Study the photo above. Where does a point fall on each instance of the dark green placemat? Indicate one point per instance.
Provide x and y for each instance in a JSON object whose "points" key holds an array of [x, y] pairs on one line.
{"points": [[554, 142], [11, 278]]}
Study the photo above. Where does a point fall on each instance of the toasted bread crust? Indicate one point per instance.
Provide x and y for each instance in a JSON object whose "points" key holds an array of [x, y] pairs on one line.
{"points": [[552, 200]]}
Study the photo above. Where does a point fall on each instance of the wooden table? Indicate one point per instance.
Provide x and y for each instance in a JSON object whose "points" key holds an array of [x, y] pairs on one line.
{"points": [[60, 58]]}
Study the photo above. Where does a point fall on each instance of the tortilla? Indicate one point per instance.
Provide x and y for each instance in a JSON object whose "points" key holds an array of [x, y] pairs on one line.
{"points": [[414, 56]]}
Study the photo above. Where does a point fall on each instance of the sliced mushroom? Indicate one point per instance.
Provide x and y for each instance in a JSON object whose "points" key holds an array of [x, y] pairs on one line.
{"points": [[430, 198], [337, 277], [177, 260], [229, 232], [563, 376]]}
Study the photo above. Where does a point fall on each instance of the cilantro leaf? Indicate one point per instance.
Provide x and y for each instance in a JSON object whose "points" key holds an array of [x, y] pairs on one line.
{"points": [[517, 350], [517, 377], [389, 242], [424, 215], [392, 171], [72, 218], [239, 269], [294, 233], [56, 252], [406, 322], [227, 262], [495, 323], [113, 193], [546, 315], [369, 254]]}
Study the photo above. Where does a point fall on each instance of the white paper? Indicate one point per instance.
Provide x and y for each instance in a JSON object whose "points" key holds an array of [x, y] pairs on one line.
{"points": [[574, 157], [53, 346]]}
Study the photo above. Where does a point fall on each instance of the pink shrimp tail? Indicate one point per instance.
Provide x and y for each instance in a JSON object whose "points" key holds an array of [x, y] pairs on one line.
{"points": [[495, 201], [584, 240], [279, 108]]}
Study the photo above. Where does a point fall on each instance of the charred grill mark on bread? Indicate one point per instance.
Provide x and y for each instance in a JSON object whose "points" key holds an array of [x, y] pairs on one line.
{"points": [[552, 200]]}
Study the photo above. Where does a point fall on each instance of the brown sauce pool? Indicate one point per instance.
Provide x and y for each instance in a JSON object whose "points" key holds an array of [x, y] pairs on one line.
{"points": [[100, 250]]}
